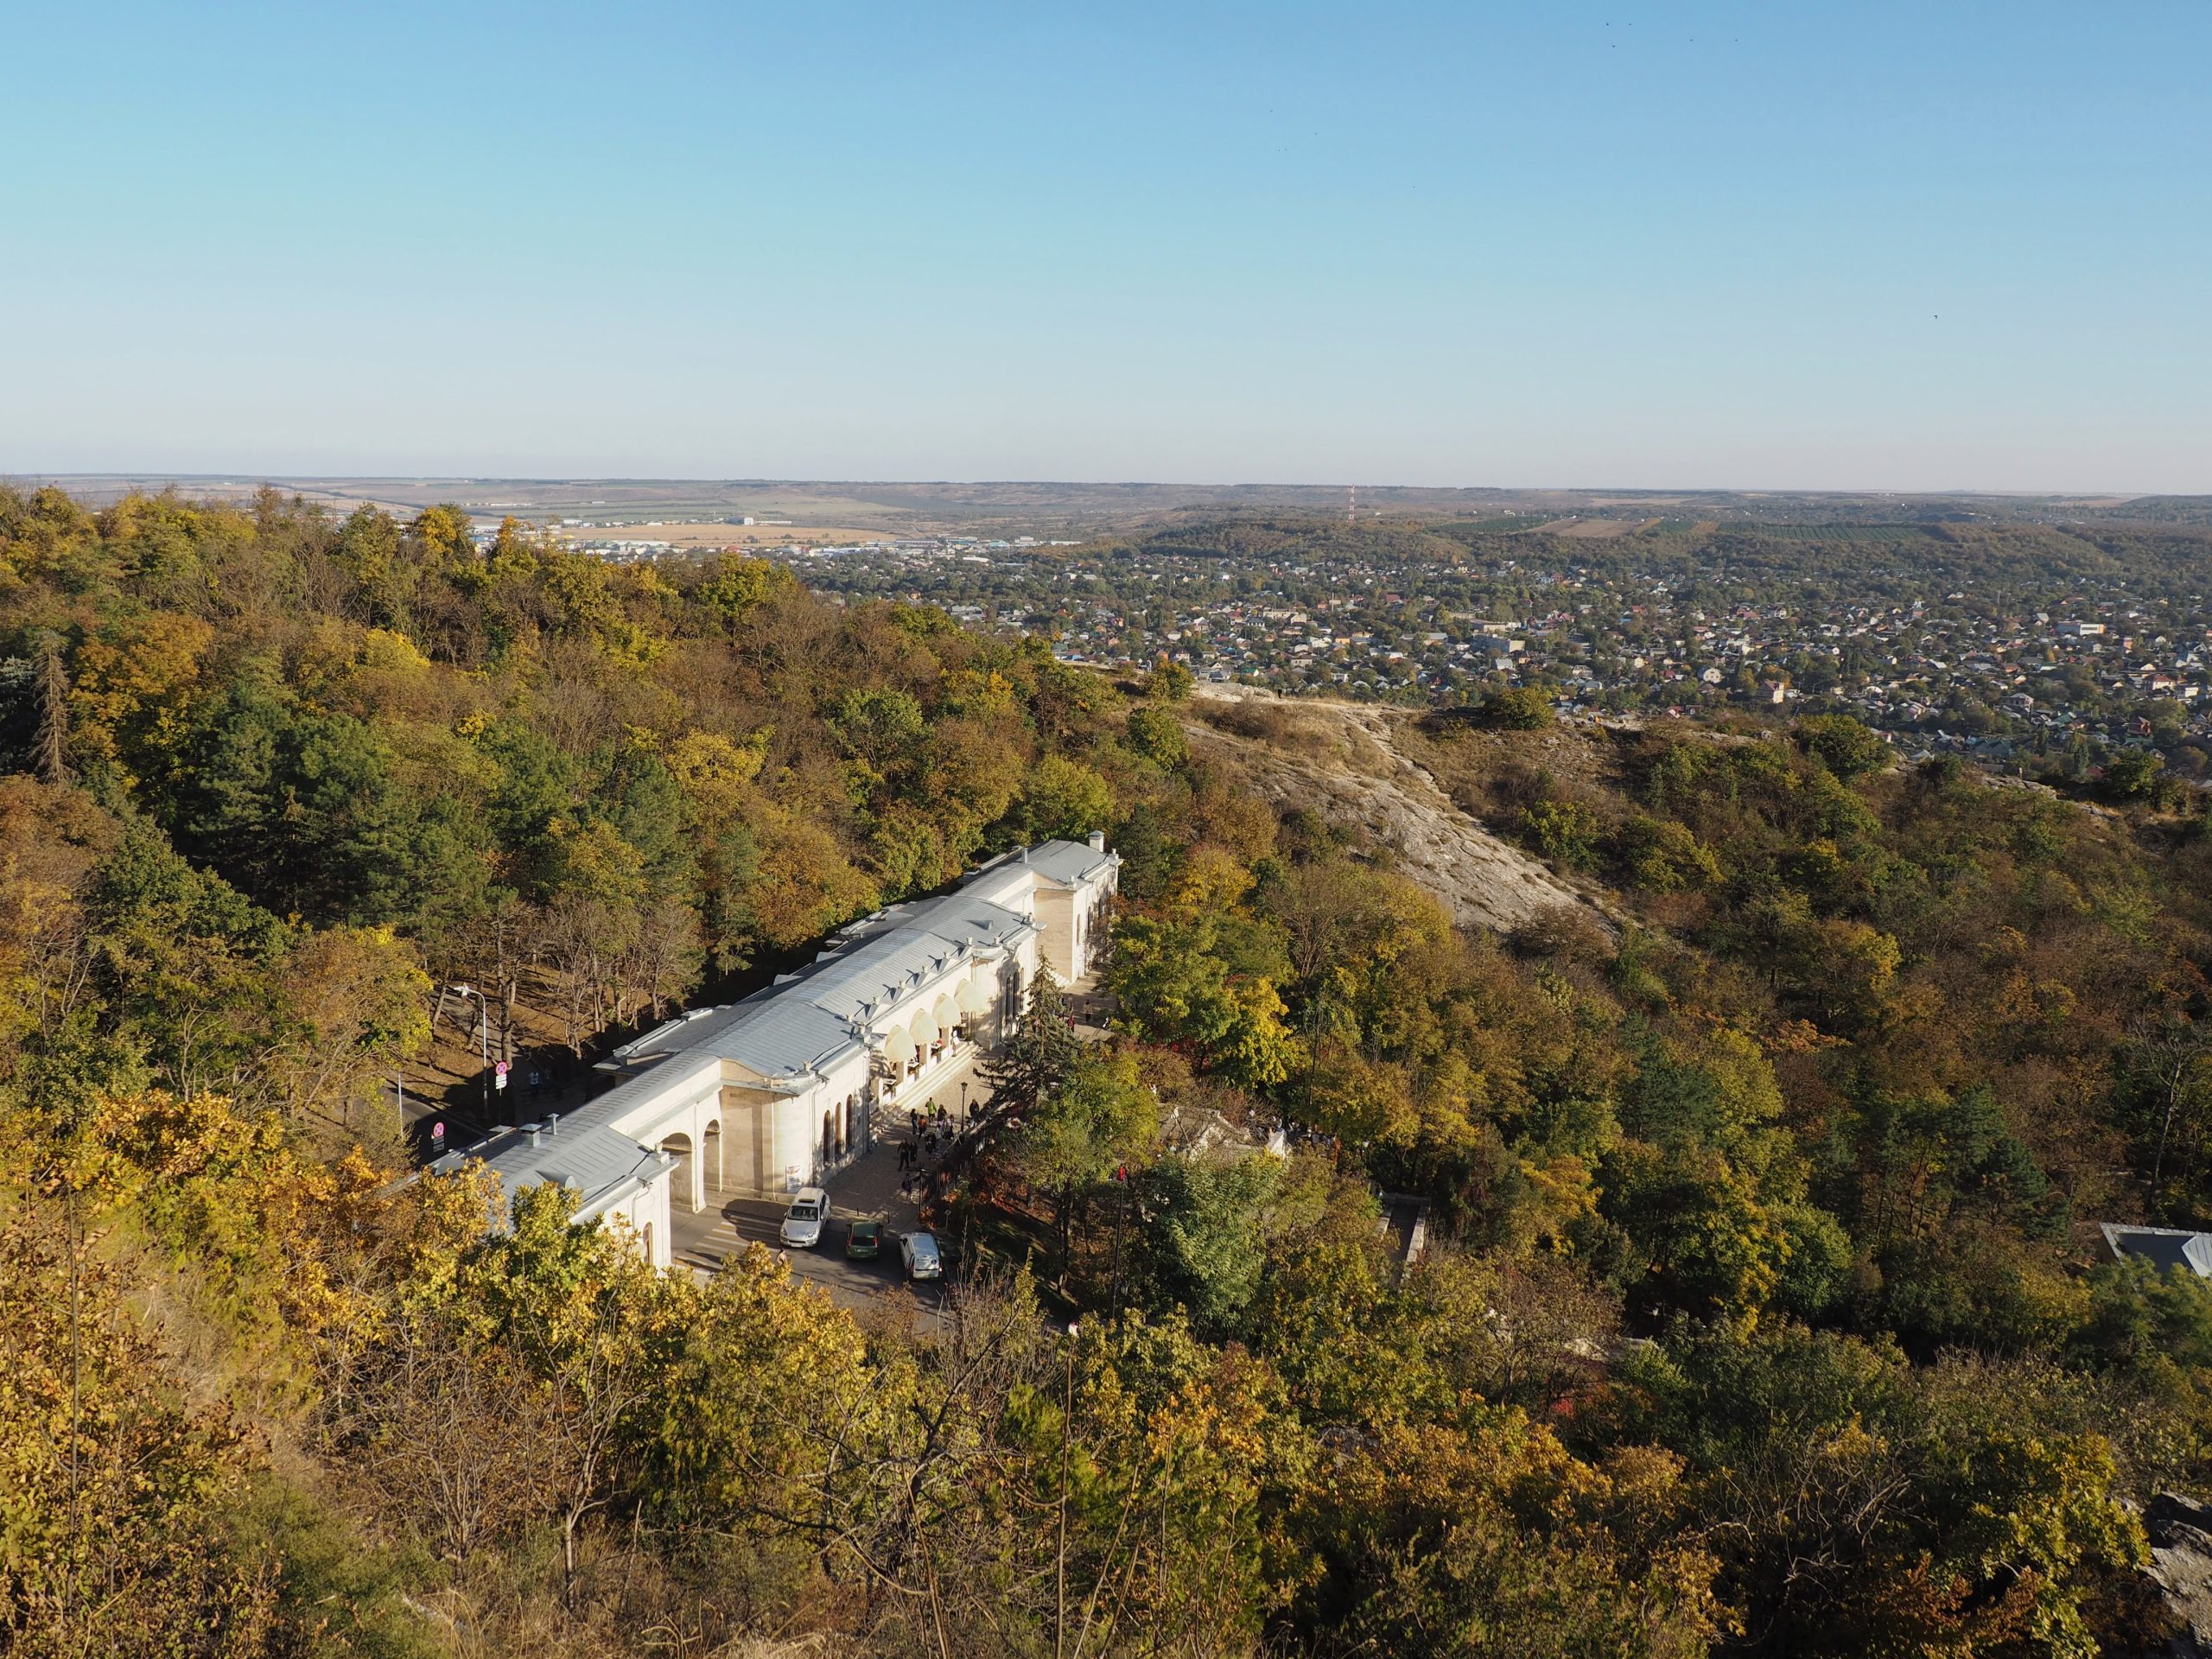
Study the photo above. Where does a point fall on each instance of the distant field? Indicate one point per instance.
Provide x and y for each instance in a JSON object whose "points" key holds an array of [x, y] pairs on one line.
{"points": [[1595, 529], [724, 535]]}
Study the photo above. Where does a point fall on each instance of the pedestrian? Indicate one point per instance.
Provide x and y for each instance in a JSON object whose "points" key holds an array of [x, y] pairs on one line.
{"points": [[914, 1117], [906, 1187]]}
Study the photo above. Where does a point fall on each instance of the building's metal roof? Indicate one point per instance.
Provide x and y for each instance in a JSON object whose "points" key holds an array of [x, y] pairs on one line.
{"points": [[602, 1167], [2168, 1247], [1069, 861], [821, 1014], [794, 1030]]}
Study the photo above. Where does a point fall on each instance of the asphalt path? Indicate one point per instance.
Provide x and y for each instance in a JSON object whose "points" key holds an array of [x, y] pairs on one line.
{"points": [[868, 1188]]}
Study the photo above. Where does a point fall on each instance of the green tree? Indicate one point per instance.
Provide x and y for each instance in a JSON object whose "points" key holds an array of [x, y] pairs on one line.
{"points": [[1156, 734], [1065, 800], [1203, 1244], [1565, 830], [115, 1534], [1859, 1502], [1169, 681], [1099, 1118], [1519, 708], [1842, 744], [1036, 1060]]}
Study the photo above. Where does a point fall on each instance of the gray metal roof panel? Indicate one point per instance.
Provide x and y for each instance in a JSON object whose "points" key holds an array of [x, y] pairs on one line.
{"points": [[1069, 860], [2168, 1247], [803, 1022], [602, 1165], [781, 1038]]}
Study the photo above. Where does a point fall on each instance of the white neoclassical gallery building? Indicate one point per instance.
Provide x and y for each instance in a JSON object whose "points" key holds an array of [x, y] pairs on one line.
{"points": [[763, 1096]]}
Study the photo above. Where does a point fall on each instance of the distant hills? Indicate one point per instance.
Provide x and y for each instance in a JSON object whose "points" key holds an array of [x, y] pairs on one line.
{"points": [[1044, 508]]}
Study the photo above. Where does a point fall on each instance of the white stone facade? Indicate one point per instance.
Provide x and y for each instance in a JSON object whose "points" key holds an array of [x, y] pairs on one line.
{"points": [[763, 1096]]}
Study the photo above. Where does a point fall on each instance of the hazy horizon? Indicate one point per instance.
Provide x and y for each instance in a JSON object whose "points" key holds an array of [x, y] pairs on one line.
{"points": [[253, 475]]}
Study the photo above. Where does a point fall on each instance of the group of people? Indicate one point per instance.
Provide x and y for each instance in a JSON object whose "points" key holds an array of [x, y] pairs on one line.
{"points": [[934, 1133]]}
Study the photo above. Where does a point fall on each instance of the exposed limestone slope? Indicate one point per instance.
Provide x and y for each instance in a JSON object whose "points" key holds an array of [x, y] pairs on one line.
{"points": [[1339, 759], [2181, 1556]]}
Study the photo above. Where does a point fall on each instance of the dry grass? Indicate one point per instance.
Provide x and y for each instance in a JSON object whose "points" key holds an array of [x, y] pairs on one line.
{"points": [[1279, 725]]}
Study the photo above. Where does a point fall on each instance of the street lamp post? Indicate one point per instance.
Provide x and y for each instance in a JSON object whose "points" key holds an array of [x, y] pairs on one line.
{"points": [[484, 1043]]}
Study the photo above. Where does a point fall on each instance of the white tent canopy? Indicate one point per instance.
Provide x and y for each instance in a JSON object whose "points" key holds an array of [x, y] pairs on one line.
{"points": [[973, 998], [946, 1014], [899, 1047], [924, 1029]]}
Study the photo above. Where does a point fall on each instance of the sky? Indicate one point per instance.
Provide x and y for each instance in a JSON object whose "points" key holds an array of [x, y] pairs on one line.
{"points": [[1924, 246]]}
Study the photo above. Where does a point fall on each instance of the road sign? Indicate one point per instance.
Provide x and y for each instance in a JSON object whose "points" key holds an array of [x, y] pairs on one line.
{"points": [[499, 1075]]}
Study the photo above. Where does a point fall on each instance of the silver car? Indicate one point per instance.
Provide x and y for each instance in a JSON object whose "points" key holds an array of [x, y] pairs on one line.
{"points": [[919, 1251], [803, 1221]]}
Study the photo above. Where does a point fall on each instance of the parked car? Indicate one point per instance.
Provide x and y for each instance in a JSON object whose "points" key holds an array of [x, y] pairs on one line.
{"points": [[803, 1222], [864, 1240], [919, 1251]]}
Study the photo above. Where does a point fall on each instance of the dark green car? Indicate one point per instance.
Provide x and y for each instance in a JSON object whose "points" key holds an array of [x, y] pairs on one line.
{"points": [[863, 1239]]}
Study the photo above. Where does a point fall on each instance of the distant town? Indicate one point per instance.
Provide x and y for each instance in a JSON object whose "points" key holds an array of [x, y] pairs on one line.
{"points": [[2070, 669]]}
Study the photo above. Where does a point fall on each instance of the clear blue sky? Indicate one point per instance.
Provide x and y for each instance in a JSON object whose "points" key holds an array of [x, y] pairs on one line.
{"points": [[1841, 245]]}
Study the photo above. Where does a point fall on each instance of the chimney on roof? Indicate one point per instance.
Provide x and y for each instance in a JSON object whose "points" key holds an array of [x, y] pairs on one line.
{"points": [[531, 1130], [1098, 841], [552, 1124]]}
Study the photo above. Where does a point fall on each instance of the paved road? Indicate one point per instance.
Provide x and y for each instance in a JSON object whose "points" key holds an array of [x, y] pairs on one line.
{"points": [[868, 1187]]}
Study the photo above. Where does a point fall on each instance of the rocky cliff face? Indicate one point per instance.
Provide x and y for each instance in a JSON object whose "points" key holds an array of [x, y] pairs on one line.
{"points": [[1341, 760], [2181, 1566]]}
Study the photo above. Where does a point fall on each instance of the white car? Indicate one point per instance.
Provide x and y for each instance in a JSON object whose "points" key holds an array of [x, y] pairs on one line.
{"points": [[803, 1221], [919, 1252]]}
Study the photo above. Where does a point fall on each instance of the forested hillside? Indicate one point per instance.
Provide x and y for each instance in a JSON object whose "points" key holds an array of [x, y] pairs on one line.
{"points": [[1766, 1315]]}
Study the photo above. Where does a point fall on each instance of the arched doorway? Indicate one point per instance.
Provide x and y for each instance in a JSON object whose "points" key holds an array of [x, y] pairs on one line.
{"points": [[683, 1180]]}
